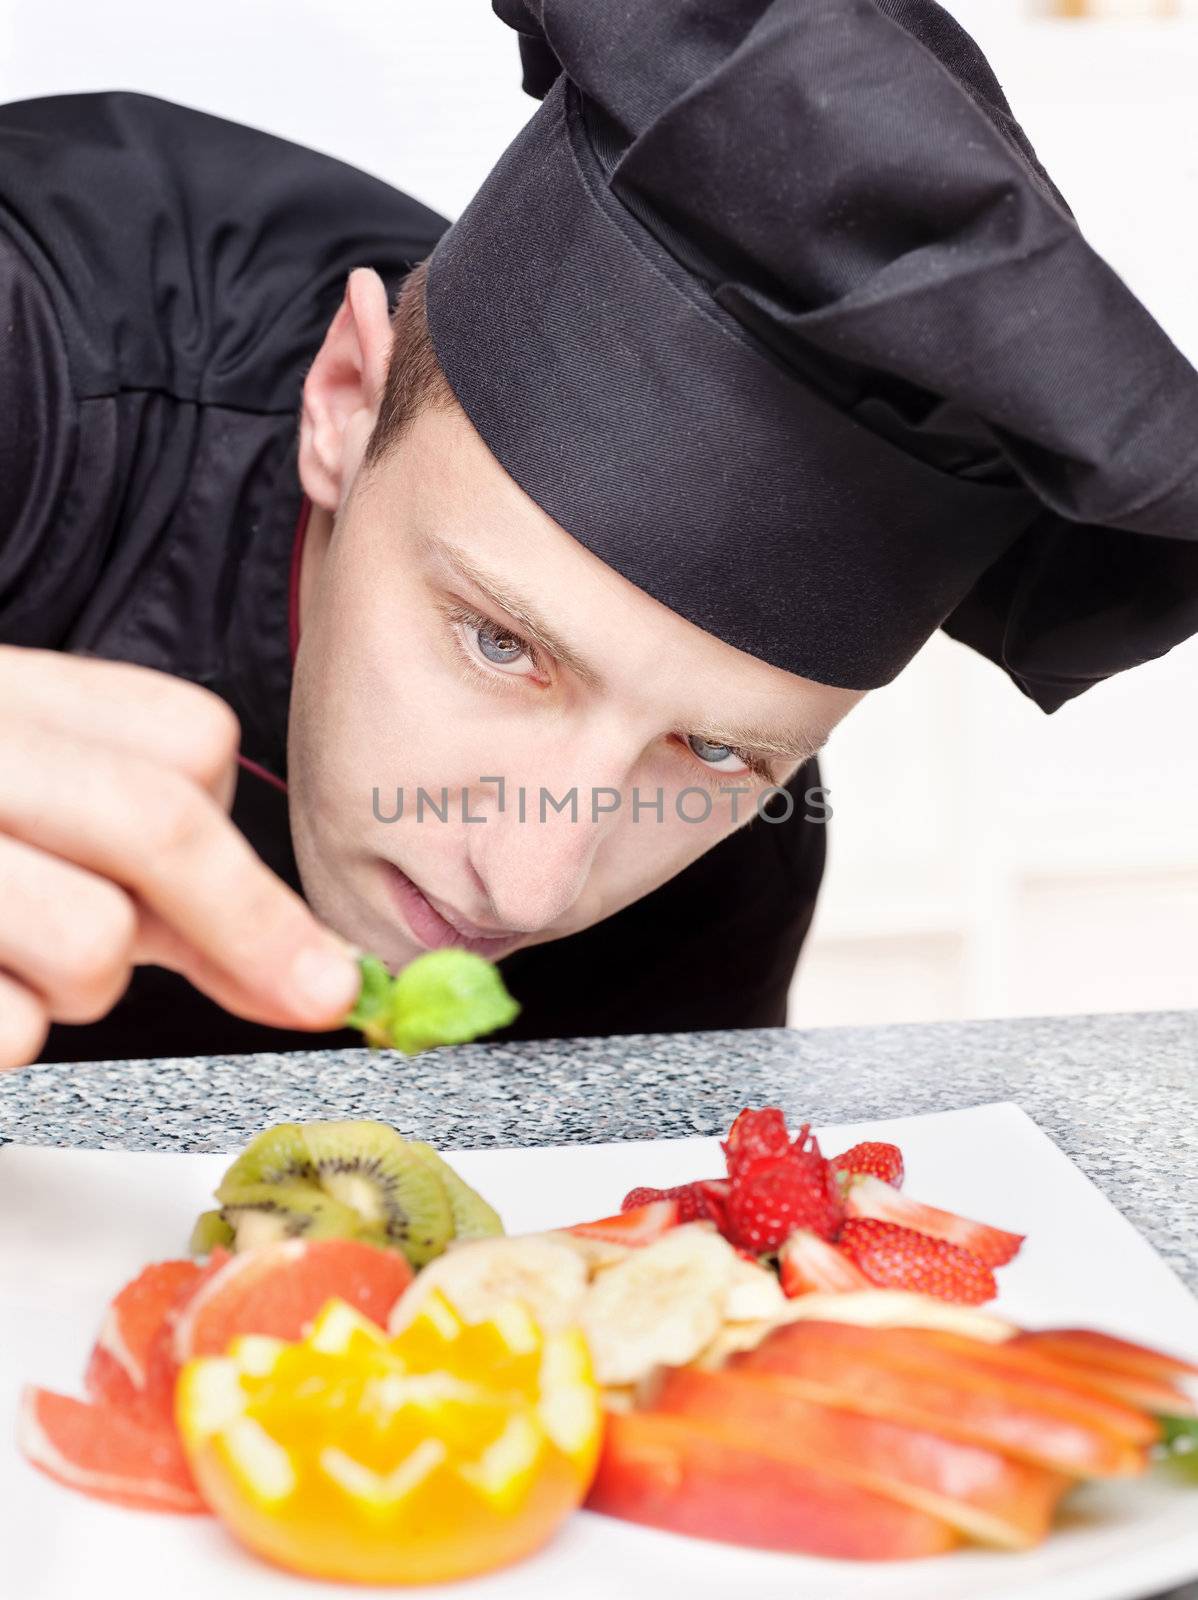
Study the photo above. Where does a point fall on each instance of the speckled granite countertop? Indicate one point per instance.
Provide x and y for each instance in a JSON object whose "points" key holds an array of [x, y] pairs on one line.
{"points": [[1118, 1093]]}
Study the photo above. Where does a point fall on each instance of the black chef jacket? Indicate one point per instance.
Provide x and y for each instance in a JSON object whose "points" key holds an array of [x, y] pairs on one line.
{"points": [[165, 279]]}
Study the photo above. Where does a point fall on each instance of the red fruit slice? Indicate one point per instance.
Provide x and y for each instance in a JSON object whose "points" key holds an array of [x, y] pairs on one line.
{"points": [[156, 1403], [1128, 1394], [640, 1226], [1104, 1350], [884, 1372], [884, 1161], [106, 1381], [684, 1475], [983, 1493], [279, 1289], [1130, 1372], [808, 1265], [870, 1198], [116, 1371], [1008, 1362], [893, 1257], [705, 1200], [104, 1452]]}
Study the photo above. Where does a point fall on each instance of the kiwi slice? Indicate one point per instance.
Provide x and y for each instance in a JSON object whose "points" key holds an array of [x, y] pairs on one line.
{"points": [[210, 1230], [279, 1155], [355, 1179], [264, 1213], [400, 1198], [473, 1218]]}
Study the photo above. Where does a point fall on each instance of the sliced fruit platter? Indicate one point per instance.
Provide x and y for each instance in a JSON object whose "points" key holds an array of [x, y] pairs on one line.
{"points": [[361, 1377]]}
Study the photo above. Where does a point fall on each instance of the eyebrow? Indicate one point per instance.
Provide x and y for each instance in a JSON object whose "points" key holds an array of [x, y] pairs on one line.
{"points": [[796, 744], [534, 628]]}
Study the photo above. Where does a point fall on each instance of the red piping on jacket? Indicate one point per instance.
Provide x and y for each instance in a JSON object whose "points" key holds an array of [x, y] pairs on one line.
{"points": [[261, 772]]}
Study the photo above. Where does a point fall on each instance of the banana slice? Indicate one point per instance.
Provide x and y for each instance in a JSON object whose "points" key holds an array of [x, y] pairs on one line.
{"points": [[896, 1308], [731, 1339], [662, 1305], [754, 1293], [621, 1399], [597, 1253], [478, 1277]]}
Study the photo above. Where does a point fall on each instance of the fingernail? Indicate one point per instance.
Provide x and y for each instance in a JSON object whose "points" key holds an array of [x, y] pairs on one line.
{"points": [[324, 980]]}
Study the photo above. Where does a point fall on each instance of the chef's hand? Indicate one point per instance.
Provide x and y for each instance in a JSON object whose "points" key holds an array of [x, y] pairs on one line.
{"points": [[116, 850]]}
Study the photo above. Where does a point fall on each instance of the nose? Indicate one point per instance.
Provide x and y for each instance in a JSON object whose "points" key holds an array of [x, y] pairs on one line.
{"points": [[535, 855]]}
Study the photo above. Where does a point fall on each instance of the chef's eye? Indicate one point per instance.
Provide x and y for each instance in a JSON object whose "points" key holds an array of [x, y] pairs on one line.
{"points": [[720, 757], [497, 645]]}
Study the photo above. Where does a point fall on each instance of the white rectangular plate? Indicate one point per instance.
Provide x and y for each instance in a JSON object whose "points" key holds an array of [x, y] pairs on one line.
{"points": [[76, 1224]]}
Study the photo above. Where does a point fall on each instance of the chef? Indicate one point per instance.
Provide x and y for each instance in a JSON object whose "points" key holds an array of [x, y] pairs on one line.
{"points": [[368, 582]]}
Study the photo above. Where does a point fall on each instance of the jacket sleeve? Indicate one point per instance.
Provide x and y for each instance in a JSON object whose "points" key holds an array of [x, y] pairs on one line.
{"points": [[38, 439]]}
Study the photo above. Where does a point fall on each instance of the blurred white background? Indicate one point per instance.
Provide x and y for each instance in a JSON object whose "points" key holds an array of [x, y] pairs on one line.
{"points": [[986, 859]]}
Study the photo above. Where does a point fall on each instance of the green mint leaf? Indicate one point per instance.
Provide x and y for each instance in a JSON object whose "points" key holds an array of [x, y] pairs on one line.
{"points": [[443, 997], [1179, 1445], [371, 1012], [448, 997]]}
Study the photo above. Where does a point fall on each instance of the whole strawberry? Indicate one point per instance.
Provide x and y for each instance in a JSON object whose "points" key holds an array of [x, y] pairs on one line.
{"points": [[701, 1201], [772, 1195], [893, 1257]]}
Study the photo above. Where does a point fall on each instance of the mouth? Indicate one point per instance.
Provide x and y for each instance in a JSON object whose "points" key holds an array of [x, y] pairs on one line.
{"points": [[440, 927]]}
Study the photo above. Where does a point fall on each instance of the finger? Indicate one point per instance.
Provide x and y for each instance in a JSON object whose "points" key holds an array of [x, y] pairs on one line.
{"points": [[66, 933], [129, 708], [157, 944], [23, 1023], [152, 831]]}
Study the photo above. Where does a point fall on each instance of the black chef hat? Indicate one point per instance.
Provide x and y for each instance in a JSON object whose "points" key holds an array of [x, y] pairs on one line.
{"points": [[772, 307]]}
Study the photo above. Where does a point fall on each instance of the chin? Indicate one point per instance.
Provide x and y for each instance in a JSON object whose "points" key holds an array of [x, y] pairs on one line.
{"points": [[337, 889]]}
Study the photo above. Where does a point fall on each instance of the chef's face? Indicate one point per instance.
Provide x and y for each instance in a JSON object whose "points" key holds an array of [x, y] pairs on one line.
{"points": [[454, 636]]}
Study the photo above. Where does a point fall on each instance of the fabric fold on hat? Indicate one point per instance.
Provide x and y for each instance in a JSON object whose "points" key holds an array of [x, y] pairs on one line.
{"points": [[772, 306]]}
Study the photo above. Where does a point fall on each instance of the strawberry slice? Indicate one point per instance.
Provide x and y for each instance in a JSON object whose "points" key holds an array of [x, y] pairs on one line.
{"points": [[642, 1225], [873, 1159], [893, 1257], [810, 1265], [872, 1200], [705, 1200]]}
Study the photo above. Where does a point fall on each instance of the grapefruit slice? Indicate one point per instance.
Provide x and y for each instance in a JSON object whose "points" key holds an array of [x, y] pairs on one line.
{"points": [[117, 1369], [279, 1289], [136, 1340], [106, 1452]]}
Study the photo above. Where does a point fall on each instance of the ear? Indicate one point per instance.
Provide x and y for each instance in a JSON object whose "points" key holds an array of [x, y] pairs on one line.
{"points": [[343, 390]]}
